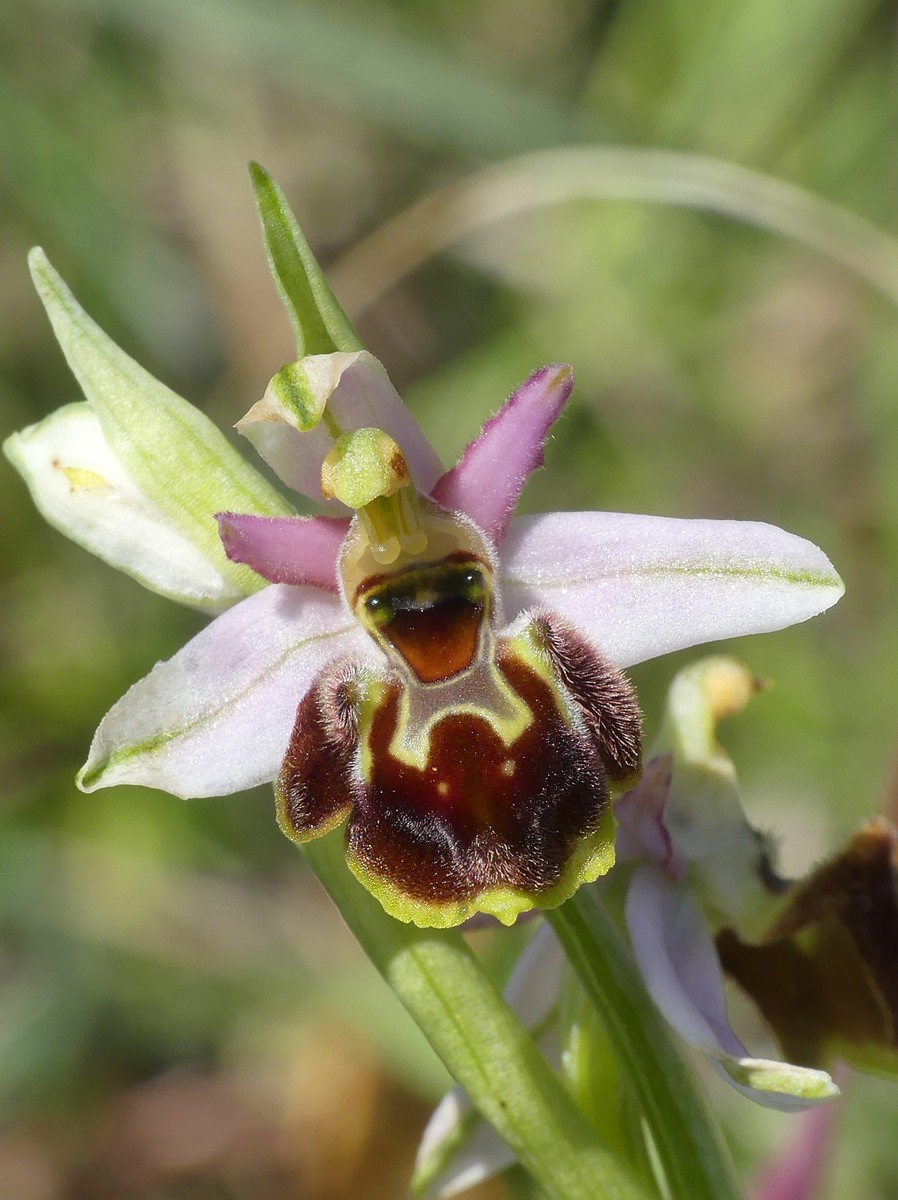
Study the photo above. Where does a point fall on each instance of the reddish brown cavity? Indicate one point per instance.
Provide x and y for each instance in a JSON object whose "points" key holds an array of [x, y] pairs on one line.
{"points": [[480, 814], [431, 615], [437, 641]]}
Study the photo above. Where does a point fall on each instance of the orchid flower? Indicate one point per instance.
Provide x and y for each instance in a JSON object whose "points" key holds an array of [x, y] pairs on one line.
{"points": [[818, 956], [416, 664], [693, 866]]}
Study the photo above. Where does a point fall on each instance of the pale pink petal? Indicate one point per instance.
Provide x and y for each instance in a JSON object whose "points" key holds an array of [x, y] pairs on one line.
{"points": [[458, 1149], [489, 476], [641, 830], [643, 586], [532, 991], [285, 549], [216, 718], [675, 952]]}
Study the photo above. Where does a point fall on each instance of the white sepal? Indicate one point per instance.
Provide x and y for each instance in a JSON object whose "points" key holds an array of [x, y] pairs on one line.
{"points": [[81, 487], [675, 952], [309, 403], [643, 586]]}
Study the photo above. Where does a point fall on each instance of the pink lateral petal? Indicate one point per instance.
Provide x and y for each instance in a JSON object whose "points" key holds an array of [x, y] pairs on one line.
{"points": [[641, 829], [293, 550], [487, 480]]}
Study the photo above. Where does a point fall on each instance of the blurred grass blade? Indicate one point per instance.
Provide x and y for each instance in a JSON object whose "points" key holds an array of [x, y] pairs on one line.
{"points": [[480, 1040], [175, 455], [320, 325], [552, 177], [53, 184], [691, 1154], [370, 67]]}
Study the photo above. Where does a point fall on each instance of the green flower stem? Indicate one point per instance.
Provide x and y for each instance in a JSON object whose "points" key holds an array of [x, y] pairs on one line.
{"points": [[480, 1040], [690, 1151]]}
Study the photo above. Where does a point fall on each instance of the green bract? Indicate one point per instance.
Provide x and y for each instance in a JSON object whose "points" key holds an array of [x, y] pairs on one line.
{"points": [[319, 323], [171, 453]]}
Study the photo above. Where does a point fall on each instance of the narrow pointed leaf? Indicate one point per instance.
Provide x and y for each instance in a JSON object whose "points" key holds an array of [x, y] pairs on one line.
{"points": [[174, 454], [319, 323]]}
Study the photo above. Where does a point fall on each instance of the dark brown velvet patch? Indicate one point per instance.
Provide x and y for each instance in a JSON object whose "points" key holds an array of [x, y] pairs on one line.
{"points": [[827, 976], [315, 789], [603, 694], [481, 814]]}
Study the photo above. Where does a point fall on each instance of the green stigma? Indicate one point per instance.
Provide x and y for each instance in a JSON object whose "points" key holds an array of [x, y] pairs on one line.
{"points": [[367, 471]]}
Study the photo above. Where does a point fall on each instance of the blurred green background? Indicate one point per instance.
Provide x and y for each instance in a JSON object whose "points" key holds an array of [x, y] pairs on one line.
{"points": [[182, 1015]]}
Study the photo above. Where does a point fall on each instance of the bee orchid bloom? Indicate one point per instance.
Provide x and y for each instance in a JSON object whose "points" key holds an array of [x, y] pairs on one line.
{"points": [[817, 955], [416, 663], [690, 865]]}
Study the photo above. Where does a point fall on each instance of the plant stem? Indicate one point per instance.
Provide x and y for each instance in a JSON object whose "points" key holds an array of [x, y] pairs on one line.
{"points": [[695, 1162], [481, 1042]]}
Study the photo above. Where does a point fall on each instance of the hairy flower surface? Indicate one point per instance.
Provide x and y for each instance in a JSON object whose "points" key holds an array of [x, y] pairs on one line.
{"points": [[416, 664], [702, 898]]}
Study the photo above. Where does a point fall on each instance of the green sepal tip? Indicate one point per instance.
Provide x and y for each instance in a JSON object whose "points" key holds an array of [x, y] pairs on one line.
{"points": [[320, 325]]}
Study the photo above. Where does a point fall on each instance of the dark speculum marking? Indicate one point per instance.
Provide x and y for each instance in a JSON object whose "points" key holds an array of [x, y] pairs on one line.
{"points": [[315, 789], [604, 695], [826, 977], [480, 814], [431, 615]]}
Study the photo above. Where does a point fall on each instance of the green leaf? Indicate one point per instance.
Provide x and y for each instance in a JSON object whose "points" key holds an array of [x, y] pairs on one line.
{"points": [[175, 455], [320, 325], [691, 1154], [479, 1039]]}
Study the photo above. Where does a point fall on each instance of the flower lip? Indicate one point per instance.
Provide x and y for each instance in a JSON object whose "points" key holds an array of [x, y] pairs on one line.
{"points": [[489, 819]]}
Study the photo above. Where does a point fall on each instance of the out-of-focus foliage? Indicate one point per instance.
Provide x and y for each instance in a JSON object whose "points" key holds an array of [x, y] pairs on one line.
{"points": [[181, 1014]]}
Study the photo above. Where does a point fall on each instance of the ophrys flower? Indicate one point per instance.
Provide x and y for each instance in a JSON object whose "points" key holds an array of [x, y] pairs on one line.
{"points": [[440, 676]]}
